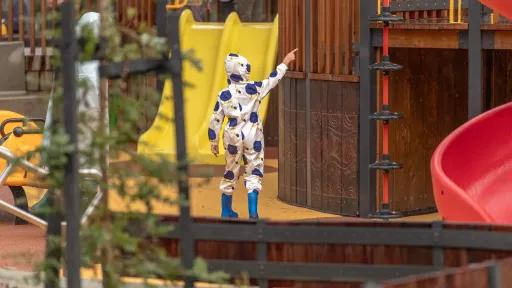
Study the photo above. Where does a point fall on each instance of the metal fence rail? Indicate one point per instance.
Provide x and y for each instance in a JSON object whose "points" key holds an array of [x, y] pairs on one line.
{"points": [[438, 236]]}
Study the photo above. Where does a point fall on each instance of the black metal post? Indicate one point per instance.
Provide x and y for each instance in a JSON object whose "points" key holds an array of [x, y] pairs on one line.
{"points": [[261, 254], [494, 278], [187, 242], [69, 117], [367, 105], [53, 252], [308, 100], [161, 24], [474, 59]]}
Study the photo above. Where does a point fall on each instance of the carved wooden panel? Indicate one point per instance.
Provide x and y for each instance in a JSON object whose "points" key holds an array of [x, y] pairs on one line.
{"points": [[333, 138]]}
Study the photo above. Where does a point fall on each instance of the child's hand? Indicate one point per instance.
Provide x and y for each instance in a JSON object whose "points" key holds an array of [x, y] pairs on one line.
{"points": [[290, 57], [215, 149]]}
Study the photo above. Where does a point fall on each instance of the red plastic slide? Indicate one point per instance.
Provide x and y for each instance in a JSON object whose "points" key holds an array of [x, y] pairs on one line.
{"points": [[472, 170], [504, 7]]}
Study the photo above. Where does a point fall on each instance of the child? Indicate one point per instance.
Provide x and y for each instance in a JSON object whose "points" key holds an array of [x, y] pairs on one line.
{"points": [[243, 134]]}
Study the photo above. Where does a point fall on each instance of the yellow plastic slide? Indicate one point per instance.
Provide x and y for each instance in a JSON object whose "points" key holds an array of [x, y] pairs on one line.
{"points": [[211, 43]]}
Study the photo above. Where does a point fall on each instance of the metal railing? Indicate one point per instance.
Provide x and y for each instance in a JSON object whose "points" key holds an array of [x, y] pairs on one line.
{"points": [[438, 237], [441, 11], [13, 161]]}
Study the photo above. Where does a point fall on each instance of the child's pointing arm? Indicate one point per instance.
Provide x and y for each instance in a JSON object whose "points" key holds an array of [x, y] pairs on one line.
{"points": [[276, 75]]}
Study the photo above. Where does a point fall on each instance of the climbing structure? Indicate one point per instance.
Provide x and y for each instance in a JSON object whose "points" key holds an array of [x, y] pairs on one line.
{"points": [[385, 66]]}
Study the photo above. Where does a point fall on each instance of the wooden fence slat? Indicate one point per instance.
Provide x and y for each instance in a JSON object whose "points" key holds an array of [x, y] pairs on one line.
{"points": [[32, 26], [328, 35], [10, 21], [347, 43], [303, 37], [43, 26], [2, 7], [321, 36], [337, 38], [313, 36], [21, 21]]}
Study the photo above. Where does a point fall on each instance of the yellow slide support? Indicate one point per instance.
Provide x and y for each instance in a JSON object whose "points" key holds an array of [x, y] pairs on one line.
{"points": [[211, 43]]}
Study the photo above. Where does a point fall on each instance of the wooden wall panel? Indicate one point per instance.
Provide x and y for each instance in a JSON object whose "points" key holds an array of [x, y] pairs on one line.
{"points": [[334, 132], [498, 88], [334, 29], [349, 146], [316, 141], [431, 94], [301, 149]]}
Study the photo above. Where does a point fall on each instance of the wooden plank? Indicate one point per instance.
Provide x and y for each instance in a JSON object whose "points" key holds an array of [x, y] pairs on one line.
{"points": [[328, 20], [349, 149], [302, 46], [316, 144], [503, 40], [44, 20], [431, 95], [32, 25], [298, 31], [314, 36], [301, 143], [295, 74], [285, 195], [355, 25], [21, 20], [346, 52], [292, 130], [337, 38], [331, 157], [330, 77], [321, 36], [441, 39], [282, 35], [10, 19], [501, 87], [1, 30], [282, 189]]}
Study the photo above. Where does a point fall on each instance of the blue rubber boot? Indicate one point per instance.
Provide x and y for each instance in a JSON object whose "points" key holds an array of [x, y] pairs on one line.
{"points": [[253, 204], [227, 210]]}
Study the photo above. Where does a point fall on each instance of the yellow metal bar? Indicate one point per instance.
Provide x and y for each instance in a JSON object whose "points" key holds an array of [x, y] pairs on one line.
{"points": [[379, 7], [177, 4], [451, 18], [460, 11], [492, 18]]}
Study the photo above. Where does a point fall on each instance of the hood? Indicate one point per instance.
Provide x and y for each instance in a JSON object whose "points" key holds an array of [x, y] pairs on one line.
{"points": [[238, 69], [90, 19]]}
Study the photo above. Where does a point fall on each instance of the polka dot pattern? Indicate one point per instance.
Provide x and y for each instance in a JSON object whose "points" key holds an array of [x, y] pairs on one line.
{"points": [[273, 74], [236, 78], [229, 82], [233, 54], [258, 146], [217, 106], [251, 89], [257, 172], [253, 117], [232, 122], [211, 134], [225, 95], [229, 175], [232, 149], [248, 68], [258, 84], [240, 106]]}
